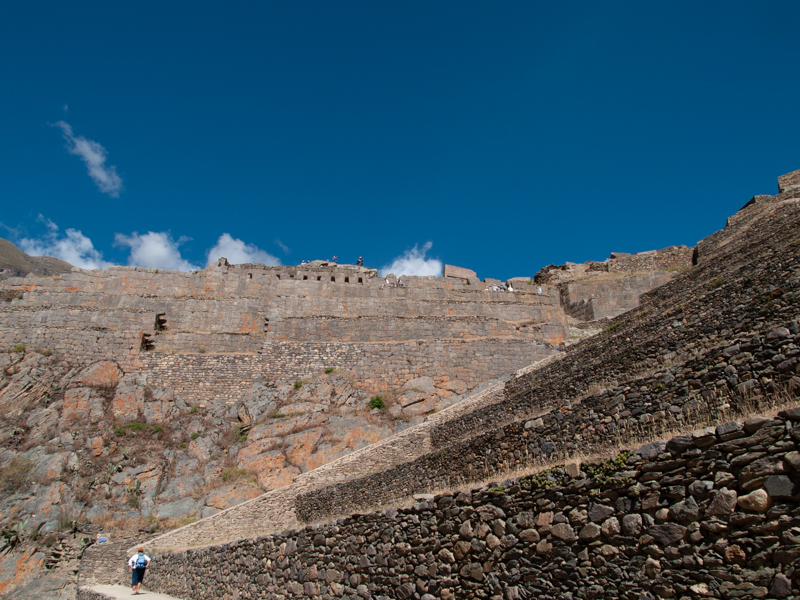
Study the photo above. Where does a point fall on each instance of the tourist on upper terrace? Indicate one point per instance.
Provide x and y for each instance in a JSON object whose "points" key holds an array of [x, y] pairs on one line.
{"points": [[360, 262], [335, 259]]}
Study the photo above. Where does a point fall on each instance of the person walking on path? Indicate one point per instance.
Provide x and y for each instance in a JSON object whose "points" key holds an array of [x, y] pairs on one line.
{"points": [[138, 564]]}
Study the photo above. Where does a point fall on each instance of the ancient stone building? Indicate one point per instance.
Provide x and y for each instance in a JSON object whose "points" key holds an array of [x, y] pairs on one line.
{"points": [[209, 335]]}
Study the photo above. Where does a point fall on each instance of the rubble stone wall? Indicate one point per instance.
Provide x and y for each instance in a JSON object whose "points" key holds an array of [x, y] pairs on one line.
{"points": [[711, 514], [202, 377], [672, 257]]}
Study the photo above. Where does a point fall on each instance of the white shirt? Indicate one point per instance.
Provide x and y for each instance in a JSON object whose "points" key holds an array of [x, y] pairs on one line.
{"points": [[132, 561]]}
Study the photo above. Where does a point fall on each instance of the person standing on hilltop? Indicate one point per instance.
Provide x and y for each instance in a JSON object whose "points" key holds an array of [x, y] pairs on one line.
{"points": [[138, 564], [360, 262]]}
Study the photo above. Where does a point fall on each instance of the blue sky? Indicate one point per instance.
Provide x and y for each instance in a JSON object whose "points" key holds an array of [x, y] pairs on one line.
{"points": [[506, 135]]}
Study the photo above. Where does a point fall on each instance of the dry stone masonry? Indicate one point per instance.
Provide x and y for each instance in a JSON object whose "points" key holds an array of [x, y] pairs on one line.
{"points": [[228, 326], [711, 514]]}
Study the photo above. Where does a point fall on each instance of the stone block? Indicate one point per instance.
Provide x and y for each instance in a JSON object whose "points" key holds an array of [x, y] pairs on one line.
{"points": [[458, 272], [789, 182]]}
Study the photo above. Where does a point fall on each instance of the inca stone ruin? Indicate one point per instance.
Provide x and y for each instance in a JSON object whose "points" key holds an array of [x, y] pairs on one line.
{"points": [[616, 429]]}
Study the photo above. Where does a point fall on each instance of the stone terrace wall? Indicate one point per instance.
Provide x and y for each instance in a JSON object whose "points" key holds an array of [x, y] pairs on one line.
{"points": [[86, 316], [275, 510], [711, 514], [725, 340], [85, 594], [80, 337], [673, 257], [380, 367], [395, 329], [106, 563], [473, 446]]}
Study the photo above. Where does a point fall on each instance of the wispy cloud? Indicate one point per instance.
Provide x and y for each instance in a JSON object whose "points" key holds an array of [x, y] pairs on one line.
{"points": [[155, 249], [413, 262], [238, 252], [283, 246], [71, 246], [94, 156]]}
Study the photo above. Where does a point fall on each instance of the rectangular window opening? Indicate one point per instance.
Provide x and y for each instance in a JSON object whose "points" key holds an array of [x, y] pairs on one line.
{"points": [[278, 276], [249, 275], [360, 280], [319, 277], [347, 280], [333, 278], [305, 277]]}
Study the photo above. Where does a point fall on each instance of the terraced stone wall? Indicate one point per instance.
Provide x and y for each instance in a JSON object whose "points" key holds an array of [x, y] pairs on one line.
{"points": [[210, 334], [381, 367], [483, 442], [711, 514], [728, 327]]}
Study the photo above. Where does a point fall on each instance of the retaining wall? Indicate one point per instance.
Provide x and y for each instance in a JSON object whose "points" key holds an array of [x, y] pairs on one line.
{"points": [[206, 378], [711, 514]]}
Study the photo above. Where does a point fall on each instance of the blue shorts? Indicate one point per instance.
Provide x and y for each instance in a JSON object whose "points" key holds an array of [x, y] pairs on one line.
{"points": [[137, 575]]}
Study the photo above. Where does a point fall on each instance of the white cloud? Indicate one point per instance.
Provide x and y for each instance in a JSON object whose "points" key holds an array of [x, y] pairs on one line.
{"points": [[413, 262], [72, 246], [283, 246], [155, 249], [94, 156], [237, 252]]}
